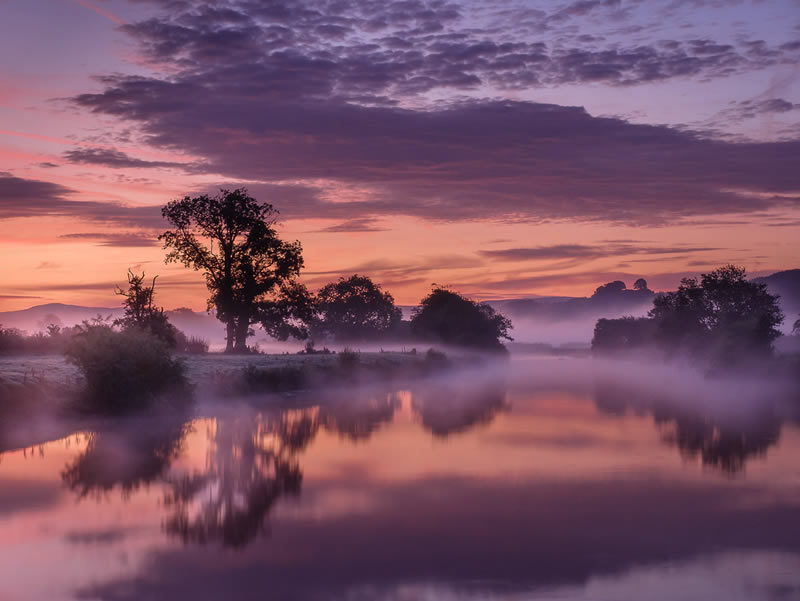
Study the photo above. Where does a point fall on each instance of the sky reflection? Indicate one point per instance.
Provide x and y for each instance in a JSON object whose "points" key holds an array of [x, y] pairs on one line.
{"points": [[480, 487]]}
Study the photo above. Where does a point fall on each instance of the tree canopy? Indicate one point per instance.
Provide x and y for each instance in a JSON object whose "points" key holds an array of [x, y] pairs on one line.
{"points": [[249, 271], [448, 317], [722, 314], [354, 308]]}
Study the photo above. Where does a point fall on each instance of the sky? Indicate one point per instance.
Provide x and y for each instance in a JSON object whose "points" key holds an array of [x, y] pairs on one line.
{"points": [[506, 148]]}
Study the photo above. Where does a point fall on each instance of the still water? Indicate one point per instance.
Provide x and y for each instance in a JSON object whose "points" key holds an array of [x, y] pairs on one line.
{"points": [[550, 479]]}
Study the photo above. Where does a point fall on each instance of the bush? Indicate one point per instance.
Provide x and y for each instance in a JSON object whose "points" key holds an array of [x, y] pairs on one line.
{"points": [[123, 369], [275, 379], [16, 342], [190, 345], [348, 358]]}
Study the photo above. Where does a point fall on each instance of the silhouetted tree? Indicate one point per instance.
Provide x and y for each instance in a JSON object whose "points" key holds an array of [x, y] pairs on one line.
{"points": [[723, 314], [611, 289], [142, 313], [354, 309], [249, 270], [640, 284], [448, 317]]}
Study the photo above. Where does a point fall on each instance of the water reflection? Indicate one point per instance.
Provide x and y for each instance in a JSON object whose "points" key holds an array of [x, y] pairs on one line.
{"points": [[248, 468], [449, 408], [460, 489], [718, 439], [126, 455], [726, 447]]}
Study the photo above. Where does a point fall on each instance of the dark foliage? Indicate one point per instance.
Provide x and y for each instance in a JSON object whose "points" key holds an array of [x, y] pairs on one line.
{"points": [[190, 345], [723, 315], [123, 370], [354, 309], [249, 271], [624, 333], [447, 317]]}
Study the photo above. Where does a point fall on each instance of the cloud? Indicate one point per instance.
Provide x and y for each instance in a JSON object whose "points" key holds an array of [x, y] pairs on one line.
{"points": [[581, 251], [325, 97], [124, 240], [20, 197], [118, 160], [353, 225], [749, 109]]}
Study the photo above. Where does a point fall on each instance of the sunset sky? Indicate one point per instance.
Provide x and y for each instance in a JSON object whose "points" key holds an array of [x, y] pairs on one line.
{"points": [[507, 148]]}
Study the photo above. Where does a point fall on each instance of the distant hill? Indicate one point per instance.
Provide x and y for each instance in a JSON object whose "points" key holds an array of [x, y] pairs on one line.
{"points": [[39, 317], [786, 284]]}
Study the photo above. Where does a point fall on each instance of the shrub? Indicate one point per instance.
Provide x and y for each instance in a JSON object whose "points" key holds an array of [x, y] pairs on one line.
{"points": [[190, 345], [348, 358], [123, 369], [275, 379], [434, 356]]}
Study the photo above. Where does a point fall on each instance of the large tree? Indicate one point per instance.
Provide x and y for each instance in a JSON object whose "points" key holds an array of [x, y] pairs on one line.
{"points": [[354, 309], [723, 314], [250, 272]]}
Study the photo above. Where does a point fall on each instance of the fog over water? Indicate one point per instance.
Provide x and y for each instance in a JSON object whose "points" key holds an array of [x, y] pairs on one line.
{"points": [[533, 478]]}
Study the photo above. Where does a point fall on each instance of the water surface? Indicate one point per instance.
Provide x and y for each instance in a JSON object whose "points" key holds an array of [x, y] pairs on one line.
{"points": [[553, 479]]}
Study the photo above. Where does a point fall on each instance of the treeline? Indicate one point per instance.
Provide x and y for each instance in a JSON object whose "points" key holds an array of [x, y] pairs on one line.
{"points": [[722, 317], [252, 279]]}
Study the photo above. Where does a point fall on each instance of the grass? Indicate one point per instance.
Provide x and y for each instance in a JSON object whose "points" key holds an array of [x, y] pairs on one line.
{"points": [[235, 374]]}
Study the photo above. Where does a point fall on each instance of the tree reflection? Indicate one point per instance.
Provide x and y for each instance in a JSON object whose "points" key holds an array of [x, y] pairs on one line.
{"points": [[126, 455], [720, 440], [252, 457], [250, 465], [357, 419], [451, 408], [724, 447]]}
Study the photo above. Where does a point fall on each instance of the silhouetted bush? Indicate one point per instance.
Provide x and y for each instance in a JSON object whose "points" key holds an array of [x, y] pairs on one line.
{"points": [[190, 345], [16, 342], [275, 379], [123, 369], [625, 333], [348, 359], [434, 357]]}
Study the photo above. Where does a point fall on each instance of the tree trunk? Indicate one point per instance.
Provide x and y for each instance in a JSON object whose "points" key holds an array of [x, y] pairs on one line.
{"points": [[230, 328], [242, 327]]}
